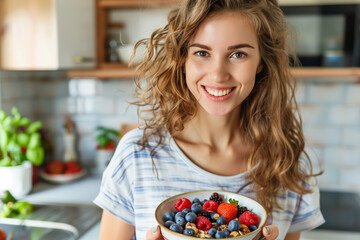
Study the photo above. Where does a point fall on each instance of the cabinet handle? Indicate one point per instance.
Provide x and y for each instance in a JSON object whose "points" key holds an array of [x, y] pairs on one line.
{"points": [[80, 59]]}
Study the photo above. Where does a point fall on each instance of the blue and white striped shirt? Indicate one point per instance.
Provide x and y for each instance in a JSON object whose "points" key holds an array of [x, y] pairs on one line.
{"points": [[131, 191]]}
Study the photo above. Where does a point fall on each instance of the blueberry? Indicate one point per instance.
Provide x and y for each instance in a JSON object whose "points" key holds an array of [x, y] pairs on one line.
{"points": [[227, 232], [212, 216], [168, 223], [189, 232], [186, 210], [204, 201], [181, 221], [179, 214], [196, 208], [169, 216], [174, 211], [252, 227], [219, 234], [212, 231], [234, 225], [176, 228], [221, 221], [196, 200], [190, 217]]}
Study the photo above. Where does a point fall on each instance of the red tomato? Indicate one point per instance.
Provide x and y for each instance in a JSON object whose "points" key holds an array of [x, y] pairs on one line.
{"points": [[54, 167], [2, 234], [110, 146], [72, 167]]}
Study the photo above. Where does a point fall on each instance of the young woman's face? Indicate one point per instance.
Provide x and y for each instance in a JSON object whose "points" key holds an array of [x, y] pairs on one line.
{"points": [[223, 59]]}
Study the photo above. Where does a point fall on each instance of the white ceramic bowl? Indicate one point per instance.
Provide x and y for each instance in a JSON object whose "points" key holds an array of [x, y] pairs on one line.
{"points": [[125, 52], [168, 205]]}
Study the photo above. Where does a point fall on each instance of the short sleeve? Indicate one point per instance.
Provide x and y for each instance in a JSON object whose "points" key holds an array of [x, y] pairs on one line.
{"points": [[308, 215], [115, 194]]}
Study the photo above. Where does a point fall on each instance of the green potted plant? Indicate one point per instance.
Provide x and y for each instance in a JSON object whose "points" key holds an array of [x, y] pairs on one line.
{"points": [[106, 141], [20, 148]]}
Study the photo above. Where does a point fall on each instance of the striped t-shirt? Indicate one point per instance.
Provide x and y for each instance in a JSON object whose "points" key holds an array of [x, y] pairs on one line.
{"points": [[131, 191]]}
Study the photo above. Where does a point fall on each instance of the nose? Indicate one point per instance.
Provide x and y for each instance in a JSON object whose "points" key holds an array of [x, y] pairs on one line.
{"points": [[218, 70]]}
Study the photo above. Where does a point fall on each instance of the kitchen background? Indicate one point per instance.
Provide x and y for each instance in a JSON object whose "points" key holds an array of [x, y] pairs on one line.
{"points": [[330, 107]]}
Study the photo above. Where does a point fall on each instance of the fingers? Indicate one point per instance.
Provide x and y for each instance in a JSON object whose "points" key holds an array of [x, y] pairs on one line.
{"points": [[154, 234], [270, 232]]}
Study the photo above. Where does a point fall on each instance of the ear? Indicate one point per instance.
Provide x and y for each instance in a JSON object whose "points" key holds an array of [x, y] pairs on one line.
{"points": [[258, 70]]}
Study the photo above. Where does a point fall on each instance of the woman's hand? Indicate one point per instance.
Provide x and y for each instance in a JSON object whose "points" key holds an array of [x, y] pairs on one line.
{"points": [[270, 233], [154, 234]]}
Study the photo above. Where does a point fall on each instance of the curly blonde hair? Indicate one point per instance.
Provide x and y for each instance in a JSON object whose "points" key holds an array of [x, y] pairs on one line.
{"points": [[269, 118]]}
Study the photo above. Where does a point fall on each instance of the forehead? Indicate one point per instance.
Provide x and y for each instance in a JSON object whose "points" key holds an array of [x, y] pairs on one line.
{"points": [[227, 27]]}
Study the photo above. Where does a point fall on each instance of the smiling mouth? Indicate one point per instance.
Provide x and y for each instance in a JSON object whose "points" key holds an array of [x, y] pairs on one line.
{"points": [[218, 92]]}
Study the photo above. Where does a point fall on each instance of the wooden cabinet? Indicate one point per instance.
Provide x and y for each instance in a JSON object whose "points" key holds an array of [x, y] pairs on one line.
{"points": [[47, 34]]}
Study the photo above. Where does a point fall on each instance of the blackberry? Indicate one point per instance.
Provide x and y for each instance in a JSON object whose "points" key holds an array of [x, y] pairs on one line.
{"points": [[216, 197], [241, 210], [205, 214]]}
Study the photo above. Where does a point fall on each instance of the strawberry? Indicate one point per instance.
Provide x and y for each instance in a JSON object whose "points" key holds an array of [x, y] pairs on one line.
{"points": [[248, 218], [210, 205], [182, 203], [203, 223], [228, 211]]}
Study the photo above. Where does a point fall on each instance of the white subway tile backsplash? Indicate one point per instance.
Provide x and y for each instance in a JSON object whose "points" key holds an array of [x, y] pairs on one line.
{"points": [[126, 111], [44, 106], [52, 88], [313, 113], [83, 87], [344, 115], [326, 93], [87, 146], [351, 136], [85, 124], [342, 157], [350, 178], [120, 89], [66, 105], [113, 121], [329, 178], [97, 105], [322, 135], [352, 95], [301, 92]]}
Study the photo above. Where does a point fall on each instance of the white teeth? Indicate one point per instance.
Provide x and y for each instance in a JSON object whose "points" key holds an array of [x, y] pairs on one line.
{"points": [[218, 93]]}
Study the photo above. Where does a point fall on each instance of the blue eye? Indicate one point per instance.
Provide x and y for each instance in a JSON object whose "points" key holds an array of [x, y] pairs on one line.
{"points": [[202, 54], [239, 55]]}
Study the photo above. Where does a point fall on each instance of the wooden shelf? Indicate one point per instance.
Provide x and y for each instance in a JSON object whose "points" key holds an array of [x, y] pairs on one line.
{"points": [[136, 3], [325, 72], [109, 71], [121, 71]]}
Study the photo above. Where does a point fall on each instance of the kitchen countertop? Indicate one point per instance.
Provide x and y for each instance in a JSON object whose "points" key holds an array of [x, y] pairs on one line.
{"points": [[82, 191]]}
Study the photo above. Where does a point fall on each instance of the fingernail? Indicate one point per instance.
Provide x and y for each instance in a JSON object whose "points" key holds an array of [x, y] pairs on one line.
{"points": [[155, 229], [267, 230]]}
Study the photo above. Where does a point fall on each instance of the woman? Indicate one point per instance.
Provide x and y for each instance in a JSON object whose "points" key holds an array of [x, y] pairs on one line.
{"points": [[220, 113]]}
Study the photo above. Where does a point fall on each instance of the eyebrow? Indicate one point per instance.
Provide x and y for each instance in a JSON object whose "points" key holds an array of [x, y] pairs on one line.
{"points": [[242, 45]]}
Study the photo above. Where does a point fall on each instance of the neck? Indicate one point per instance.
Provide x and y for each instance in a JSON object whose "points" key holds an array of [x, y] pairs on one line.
{"points": [[216, 131]]}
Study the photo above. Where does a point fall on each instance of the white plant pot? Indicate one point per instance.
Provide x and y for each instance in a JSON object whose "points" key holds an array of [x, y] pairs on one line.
{"points": [[103, 158], [16, 179]]}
